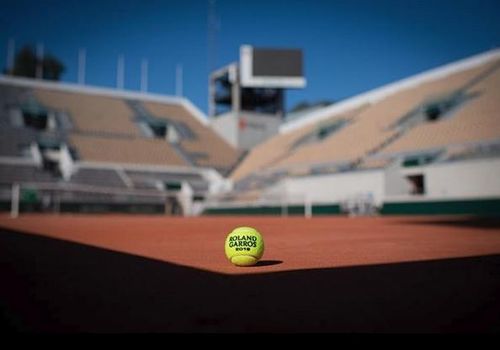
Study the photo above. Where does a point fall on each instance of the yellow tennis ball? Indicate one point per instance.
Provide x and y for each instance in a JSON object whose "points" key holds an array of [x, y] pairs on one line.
{"points": [[244, 246]]}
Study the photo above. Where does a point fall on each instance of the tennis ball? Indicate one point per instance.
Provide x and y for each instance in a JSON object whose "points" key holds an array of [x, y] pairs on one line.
{"points": [[244, 246]]}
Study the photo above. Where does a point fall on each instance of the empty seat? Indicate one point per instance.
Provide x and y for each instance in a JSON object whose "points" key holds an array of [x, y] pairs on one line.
{"points": [[125, 150], [97, 177]]}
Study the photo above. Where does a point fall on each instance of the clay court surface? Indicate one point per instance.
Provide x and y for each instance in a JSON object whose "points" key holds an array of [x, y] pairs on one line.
{"points": [[326, 274]]}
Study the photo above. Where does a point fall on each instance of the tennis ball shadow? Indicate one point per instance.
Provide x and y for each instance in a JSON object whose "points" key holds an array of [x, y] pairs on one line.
{"points": [[268, 262]]}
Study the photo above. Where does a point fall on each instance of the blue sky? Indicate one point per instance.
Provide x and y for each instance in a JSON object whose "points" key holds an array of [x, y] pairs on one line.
{"points": [[349, 46]]}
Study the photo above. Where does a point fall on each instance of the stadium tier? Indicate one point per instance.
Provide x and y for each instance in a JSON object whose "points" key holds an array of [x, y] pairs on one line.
{"points": [[475, 120], [126, 150], [73, 142], [407, 147], [331, 139]]}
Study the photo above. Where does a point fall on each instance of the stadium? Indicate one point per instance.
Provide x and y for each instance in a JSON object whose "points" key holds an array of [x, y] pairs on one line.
{"points": [[87, 149], [379, 212]]}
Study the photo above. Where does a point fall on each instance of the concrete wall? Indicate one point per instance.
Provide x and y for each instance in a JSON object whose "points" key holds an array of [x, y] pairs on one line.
{"points": [[338, 187], [395, 182], [454, 180], [457, 180], [246, 129], [475, 178], [226, 126], [257, 128]]}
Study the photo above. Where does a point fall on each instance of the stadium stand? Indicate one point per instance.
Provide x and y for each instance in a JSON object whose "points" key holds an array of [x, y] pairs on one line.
{"points": [[148, 179], [91, 114], [476, 121], [85, 146], [100, 177], [277, 149], [389, 144], [369, 127], [125, 150], [15, 142], [197, 137], [396, 146], [10, 173]]}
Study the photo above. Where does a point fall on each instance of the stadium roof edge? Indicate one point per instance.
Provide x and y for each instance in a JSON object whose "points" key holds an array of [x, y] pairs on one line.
{"points": [[379, 93], [101, 91]]}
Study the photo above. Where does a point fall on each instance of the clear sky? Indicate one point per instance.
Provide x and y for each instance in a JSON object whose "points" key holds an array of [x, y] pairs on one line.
{"points": [[349, 46]]}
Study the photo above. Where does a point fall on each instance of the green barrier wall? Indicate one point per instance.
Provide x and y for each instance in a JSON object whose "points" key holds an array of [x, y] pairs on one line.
{"points": [[473, 207], [329, 209], [480, 207]]}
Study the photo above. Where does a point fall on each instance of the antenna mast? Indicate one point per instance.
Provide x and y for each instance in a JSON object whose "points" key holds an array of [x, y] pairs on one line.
{"points": [[212, 34]]}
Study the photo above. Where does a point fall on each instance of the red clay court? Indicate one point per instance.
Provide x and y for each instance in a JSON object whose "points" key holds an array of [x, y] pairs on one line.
{"points": [[327, 274]]}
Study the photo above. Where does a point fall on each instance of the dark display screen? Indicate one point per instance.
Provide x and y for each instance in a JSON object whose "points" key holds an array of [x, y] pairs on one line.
{"points": [[277, 63]]}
